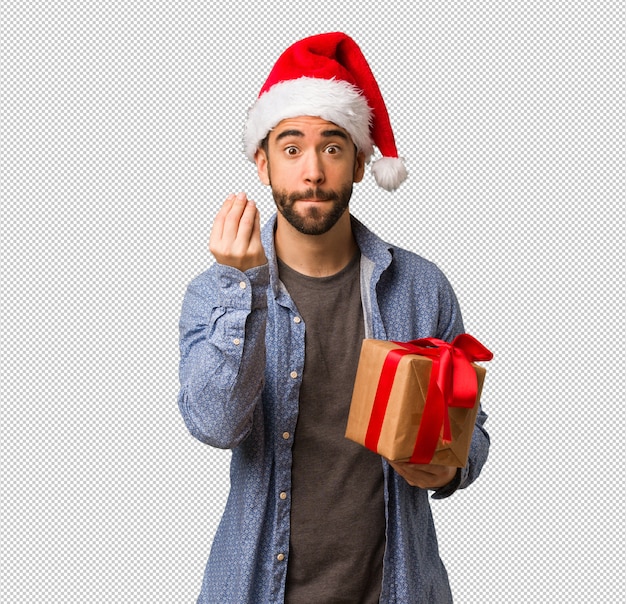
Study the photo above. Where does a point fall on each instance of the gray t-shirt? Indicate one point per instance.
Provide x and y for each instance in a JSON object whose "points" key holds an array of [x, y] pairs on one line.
{"points": [[337, 507]]}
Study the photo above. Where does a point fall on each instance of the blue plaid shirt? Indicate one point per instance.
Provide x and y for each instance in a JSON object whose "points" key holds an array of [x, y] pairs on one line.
{"points": [[242, 358]]}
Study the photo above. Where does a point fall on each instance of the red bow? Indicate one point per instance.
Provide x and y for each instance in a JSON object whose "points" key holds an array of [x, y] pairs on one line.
{"points": [[452, 384]]}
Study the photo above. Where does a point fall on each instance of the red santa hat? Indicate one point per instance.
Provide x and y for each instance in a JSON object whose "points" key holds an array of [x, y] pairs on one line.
{"points": [[327, 76]]}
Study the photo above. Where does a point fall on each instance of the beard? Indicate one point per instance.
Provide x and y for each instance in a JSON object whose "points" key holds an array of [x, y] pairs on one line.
{"points": [[318, 219]]}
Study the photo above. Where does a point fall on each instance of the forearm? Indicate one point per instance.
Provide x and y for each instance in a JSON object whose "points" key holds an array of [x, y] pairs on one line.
{"points": [[223, 353]]}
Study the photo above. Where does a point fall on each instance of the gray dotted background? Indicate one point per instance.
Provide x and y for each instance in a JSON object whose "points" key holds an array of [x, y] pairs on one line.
{"points": [[120, 132]]}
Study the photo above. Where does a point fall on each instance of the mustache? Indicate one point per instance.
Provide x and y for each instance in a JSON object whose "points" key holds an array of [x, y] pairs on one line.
{"points": [[318, 194]]}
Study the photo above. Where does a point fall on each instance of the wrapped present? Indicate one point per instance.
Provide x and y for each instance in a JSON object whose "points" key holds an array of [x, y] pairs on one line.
{"points": [[417, 401]]}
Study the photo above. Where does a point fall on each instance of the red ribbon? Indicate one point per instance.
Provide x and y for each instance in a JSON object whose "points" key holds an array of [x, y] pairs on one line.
{"points": [[452, 384]]}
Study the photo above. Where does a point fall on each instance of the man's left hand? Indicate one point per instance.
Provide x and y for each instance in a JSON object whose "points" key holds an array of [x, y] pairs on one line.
{"points": [[425, 476]]}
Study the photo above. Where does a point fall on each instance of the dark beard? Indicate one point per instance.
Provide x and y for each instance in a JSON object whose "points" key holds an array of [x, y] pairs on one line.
{"points": [[315, 221]]}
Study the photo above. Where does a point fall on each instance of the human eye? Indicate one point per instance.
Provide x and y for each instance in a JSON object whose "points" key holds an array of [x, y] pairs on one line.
{"points": [[291, 150], [333, 149]]}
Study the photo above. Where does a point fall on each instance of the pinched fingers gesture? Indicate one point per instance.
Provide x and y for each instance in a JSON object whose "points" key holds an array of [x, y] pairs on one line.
{"points": [[236, 234]]}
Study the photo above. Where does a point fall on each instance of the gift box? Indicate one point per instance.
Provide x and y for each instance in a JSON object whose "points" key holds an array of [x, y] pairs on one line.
{"points": [[417, 401]]}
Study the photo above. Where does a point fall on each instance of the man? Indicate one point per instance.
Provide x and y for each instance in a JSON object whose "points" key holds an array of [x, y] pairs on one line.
{"points": [[270, 339]]}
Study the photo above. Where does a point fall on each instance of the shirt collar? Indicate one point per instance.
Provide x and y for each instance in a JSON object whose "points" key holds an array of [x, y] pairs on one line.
{"points": [[371, 246]]}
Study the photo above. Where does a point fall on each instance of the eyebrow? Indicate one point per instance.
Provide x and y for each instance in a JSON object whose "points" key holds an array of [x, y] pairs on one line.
{"points": [[299, 134]]}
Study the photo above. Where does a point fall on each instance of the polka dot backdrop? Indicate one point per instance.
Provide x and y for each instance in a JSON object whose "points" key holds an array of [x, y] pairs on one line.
{"points": [[121, 135]]}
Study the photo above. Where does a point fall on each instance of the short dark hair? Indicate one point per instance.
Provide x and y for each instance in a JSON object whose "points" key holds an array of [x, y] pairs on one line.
{"points": [[265, 144]]}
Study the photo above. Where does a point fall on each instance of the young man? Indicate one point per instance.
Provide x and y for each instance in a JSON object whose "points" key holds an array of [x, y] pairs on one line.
{"points": [[270, 340]]}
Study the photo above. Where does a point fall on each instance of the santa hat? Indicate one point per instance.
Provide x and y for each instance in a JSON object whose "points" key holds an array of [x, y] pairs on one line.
{"points": [[327, 76]]}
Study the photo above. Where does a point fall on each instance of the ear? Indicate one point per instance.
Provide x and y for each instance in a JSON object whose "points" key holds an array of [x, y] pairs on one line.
{"points": [[359, 166], [262, 166]]}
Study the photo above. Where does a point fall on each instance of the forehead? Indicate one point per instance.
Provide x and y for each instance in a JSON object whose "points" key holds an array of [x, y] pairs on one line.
{"points": [[308, 126]]}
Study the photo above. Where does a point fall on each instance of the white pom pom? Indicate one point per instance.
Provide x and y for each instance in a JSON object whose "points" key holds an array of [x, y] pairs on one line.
{"points": [[389, 172]]}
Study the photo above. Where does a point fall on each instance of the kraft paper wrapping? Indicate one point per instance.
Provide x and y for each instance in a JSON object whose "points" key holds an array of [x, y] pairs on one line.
{"points": [[405, 407]]}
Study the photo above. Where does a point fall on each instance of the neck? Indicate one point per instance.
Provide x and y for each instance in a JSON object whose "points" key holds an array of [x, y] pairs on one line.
{"points": [[316, 255]]}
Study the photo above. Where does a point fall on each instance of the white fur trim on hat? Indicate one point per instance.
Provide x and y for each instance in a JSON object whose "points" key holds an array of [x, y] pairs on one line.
{"points": [[389, 172], [336, 101]]}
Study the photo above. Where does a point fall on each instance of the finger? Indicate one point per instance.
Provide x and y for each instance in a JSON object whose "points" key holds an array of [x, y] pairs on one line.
{"points": [[399, 467], [420, 467], [256, 244], [247, 224], [217, 230], [256, 231], [257, 222], [233, 218], [410, 472], [432, 469]]}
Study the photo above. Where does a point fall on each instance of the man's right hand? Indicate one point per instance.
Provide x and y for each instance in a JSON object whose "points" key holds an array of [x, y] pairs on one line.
{"points": [[236, 234]]}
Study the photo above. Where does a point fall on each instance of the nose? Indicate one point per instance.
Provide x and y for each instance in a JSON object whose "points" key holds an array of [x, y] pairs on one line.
{"points": [[313, 170]]}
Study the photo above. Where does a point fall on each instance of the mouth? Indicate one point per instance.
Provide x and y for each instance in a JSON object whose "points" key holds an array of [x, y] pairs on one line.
{"points": [[314, 197]]}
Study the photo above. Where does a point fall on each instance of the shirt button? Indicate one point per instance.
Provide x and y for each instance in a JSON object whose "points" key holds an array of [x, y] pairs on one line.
{"points": [[236, 341], [280, 557], [242, 285], [283, 495], [294, 374], [297, 320], [286, 435]]}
